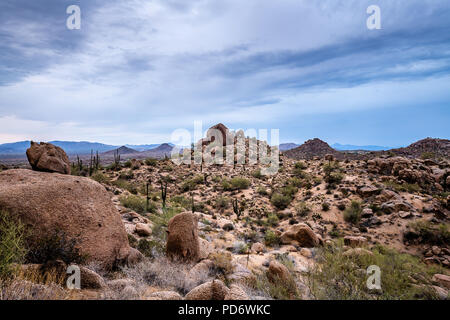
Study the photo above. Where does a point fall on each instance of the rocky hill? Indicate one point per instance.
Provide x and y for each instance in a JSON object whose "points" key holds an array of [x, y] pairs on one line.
{"points": [[428, 147], [310, 149]]}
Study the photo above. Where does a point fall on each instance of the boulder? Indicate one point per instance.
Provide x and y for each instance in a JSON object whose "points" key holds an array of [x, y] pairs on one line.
{"points": [[164, 295], [205, 248], [355, 241], [48, 158], [277, 272], [442, 280], [143, 230], [258, 247], [300, 234], [236, 293], [78, 207], [357, 252], [182, 239], [368, 191], [212, 290]]}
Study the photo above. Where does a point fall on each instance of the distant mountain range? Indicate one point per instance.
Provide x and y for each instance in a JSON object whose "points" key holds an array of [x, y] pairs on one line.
{"points": [[71, 147]]}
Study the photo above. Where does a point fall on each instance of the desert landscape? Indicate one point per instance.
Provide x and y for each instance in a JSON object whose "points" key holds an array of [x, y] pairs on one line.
{"points": [[153, 230]]}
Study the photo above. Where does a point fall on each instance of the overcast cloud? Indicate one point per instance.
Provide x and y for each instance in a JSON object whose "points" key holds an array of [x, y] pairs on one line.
{"points": [[137, 70]]}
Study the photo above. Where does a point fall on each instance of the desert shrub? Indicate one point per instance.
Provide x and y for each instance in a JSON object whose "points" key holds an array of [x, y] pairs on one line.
{"points": [[222, 203], [296, 182], [161, 223], [123, 184], [12, 243], [271, 239], [151, 162], [280, 201], [325, 206], [278, 288], [402, 187], [272, 219], [343, 277], [163, 273], [300, 165], [236, 183], [191, 184], [135, 203], [52, 247], [302, 209], [262, 191], [428, 155], [257, 174], [182, 201], [223, 263], [101, 178], [126, 175], [150, 248], [353, 212], [423, 231]]}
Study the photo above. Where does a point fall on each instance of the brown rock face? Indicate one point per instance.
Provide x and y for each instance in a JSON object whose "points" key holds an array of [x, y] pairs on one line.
{"points": [[182, 240], [210, 135], [77, 206], [278, 272], [48, 158], [302, 235]]}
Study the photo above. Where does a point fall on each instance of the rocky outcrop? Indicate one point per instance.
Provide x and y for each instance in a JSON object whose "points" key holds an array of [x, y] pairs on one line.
{"points": [[182, 239], [78, 207], [48, 158], [313, 148], [212, 290], [300, 234], [277, 272]]}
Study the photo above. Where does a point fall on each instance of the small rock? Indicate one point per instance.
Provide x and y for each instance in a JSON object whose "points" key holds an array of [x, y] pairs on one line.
{"points": [[306, 252], [442, 280], [258, 247], [354, 241], [143, 230]]}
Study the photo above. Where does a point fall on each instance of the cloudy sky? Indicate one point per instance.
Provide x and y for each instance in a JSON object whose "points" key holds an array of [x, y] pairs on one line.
{"points": [[139, 69]]}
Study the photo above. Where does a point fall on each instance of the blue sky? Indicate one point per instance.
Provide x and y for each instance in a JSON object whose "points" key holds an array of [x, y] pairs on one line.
{"points": [[137, 70]]}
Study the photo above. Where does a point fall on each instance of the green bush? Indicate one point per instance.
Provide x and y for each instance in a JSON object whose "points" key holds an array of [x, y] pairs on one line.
{"points": [[12, 243], [101, 178], [191, 184], [257, 174], [280, 201], [151, 162], [302, 209], [123, 184], [271, 239], [353, 212], [262, 191], [336, 276], [325, 206], [272, 219], [222, 203], [424, 231], [236, 183], [136, 203]]}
